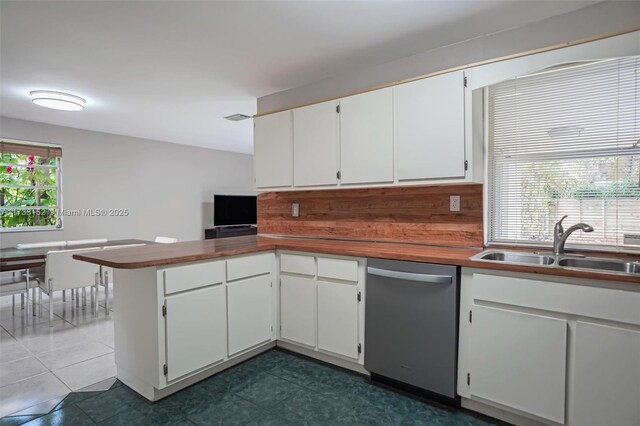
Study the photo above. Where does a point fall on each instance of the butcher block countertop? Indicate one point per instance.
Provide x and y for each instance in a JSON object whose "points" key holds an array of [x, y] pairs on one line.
{"points": [[191, 251]]}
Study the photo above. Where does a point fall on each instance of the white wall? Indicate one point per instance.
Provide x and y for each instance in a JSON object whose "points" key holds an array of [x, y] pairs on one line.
{"points": [[601, 18], [168, 188]]}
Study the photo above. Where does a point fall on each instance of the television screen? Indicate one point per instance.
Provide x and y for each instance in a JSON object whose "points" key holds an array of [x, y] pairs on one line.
{"points": [[234, 210]]}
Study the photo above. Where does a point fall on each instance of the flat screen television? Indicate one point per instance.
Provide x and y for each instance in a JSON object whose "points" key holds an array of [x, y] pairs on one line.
{"points": [[234, 210]]}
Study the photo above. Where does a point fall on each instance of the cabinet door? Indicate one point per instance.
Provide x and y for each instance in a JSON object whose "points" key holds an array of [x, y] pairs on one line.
{"points": [[366, 137], [338, 318], [315, 144], [196, 330], [250, 304], [606, 384], [429, 128], [519, 360], [273, 150], [298, 310]]}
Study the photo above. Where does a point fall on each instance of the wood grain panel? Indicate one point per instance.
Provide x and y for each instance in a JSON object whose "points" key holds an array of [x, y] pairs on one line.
{"points": [[417, 214]]}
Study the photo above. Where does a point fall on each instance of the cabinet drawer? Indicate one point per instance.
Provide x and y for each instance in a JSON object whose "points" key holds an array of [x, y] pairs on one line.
{"points": [[249, 266], [339, 269], [189, 277], [297, 264]]}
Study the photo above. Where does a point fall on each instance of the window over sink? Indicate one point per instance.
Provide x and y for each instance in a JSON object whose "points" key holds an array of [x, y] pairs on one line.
{"points": [[566, 141], [30, 186]]}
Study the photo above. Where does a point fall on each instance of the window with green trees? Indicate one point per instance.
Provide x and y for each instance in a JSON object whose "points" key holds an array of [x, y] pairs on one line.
{"points": [[30, 192], [566, 141]]}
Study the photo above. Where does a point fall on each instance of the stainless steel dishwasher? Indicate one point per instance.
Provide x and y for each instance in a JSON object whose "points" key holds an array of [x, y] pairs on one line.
{"points": [[411, 326]]}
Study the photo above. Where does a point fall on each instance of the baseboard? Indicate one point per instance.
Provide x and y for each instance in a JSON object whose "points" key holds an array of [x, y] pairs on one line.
{"points": [[343, 363]]}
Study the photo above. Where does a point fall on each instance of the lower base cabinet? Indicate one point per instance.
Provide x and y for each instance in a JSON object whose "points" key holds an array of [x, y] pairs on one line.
{"points": [[338, 318], [321, 304], [196, 334], [519, 360], [298, 310], [549, 350], [606, 387], [250, 317]]}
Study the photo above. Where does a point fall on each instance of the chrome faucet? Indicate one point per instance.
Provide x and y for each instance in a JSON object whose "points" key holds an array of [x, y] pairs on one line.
{"points": [[560, 236]]}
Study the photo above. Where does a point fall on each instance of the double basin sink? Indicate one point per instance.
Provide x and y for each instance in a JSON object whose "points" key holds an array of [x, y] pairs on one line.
{"points": [[565, 261]]}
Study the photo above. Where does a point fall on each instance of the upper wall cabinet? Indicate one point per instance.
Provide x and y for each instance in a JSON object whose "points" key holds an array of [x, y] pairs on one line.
{"points": [[273, 150], [425, 131], [430, 128], [366, 138], [316, 132]]}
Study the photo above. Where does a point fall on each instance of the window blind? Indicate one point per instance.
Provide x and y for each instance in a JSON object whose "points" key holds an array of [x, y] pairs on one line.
{"points": [[45, 151], [566, 141]]}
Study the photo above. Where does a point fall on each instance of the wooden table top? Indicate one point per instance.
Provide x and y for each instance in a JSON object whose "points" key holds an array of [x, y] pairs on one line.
{"points": [[13, 258], [168, 254]]}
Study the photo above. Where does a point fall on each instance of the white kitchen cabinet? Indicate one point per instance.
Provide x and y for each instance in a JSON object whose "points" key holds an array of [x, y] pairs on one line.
{"points": [[250, 313], [196, 335], [298, 310], [518, 360], [316, 133], [338, 319], [366, 138], [273, 150], [429, 126], [606, 385]]}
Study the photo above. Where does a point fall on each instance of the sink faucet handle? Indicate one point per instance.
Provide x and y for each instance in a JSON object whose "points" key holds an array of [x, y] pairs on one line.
{"points": [[559, 228]]}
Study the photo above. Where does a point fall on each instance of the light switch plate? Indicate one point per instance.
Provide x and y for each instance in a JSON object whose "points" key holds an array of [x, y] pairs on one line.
{"points": [[454, 203], [295, 209]]}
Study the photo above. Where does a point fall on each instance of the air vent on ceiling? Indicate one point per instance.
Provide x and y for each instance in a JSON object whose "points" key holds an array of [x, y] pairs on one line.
{"points": [[237, 117]]}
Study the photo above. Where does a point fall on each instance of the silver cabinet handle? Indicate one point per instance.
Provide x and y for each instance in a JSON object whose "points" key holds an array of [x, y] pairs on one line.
{"points": [[410, 276]]}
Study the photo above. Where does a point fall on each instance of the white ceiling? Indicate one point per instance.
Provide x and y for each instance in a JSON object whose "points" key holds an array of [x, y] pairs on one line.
{"points": [[171, 70]]}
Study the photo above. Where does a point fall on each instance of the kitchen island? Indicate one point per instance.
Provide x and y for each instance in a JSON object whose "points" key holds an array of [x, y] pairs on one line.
{"points": [[188, 310]]}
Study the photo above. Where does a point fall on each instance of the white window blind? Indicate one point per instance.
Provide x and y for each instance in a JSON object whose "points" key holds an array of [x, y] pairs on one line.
{"points": [[566, 141]]}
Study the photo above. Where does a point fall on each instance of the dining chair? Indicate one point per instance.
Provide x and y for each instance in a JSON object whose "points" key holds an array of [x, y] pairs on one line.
{"points": [[63, 272], [106, 276], [95, 241], [45, 244], [16, 282], [166, 240]]}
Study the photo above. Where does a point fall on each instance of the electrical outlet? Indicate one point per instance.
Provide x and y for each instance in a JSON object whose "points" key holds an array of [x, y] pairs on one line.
{"points": [[295, 209], [454, 203]]}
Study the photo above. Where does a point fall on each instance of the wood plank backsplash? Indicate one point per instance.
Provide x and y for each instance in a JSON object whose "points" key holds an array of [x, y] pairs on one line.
{"points": [[417, 214]]}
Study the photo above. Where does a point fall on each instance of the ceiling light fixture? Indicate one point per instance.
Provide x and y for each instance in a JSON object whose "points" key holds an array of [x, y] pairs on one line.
{"points": [[237, 117], [57, 100]]}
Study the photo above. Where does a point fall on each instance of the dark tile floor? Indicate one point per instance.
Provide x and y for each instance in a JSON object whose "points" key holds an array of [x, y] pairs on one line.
{"points": [[276, 388]]}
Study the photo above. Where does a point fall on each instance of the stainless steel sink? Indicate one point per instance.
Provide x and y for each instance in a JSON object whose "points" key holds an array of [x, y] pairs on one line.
{"points": [[520, 258], [564, 261], [601, 265]]}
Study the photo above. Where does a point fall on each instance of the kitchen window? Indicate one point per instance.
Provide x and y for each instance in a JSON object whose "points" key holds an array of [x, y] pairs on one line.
{"points": [[30, 186], [566, 141]]}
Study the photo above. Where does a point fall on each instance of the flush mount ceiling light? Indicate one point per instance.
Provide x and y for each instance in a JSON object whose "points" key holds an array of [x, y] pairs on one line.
{"points": [[57, 100], [237, 117]]}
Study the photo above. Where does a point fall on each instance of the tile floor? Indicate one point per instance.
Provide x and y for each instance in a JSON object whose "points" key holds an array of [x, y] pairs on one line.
{"points": [[40, 365], [275, 388]]}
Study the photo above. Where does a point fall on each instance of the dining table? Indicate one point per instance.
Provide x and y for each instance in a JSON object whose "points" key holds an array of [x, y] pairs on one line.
{"points": [[14, 259], [28, 259]]}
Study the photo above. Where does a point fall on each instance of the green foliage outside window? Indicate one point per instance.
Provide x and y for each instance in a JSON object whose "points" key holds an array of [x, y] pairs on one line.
{"points": [[29, 195]]}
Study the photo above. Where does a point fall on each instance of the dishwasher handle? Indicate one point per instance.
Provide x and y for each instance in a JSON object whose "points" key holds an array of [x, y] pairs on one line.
{"points": [[410, 276]]}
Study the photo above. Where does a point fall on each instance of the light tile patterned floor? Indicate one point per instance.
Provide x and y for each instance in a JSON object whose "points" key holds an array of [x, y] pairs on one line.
{"points": [[40, 365], [276, 388]]}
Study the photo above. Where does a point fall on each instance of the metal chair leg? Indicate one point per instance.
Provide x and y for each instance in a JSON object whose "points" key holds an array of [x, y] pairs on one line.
{"points": [[84, 298], [40, 300], [64, 295], [13, 304], [77, 298], [106, 292], [50, 283], [22, 301], [94, 293], [73, 294]]}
